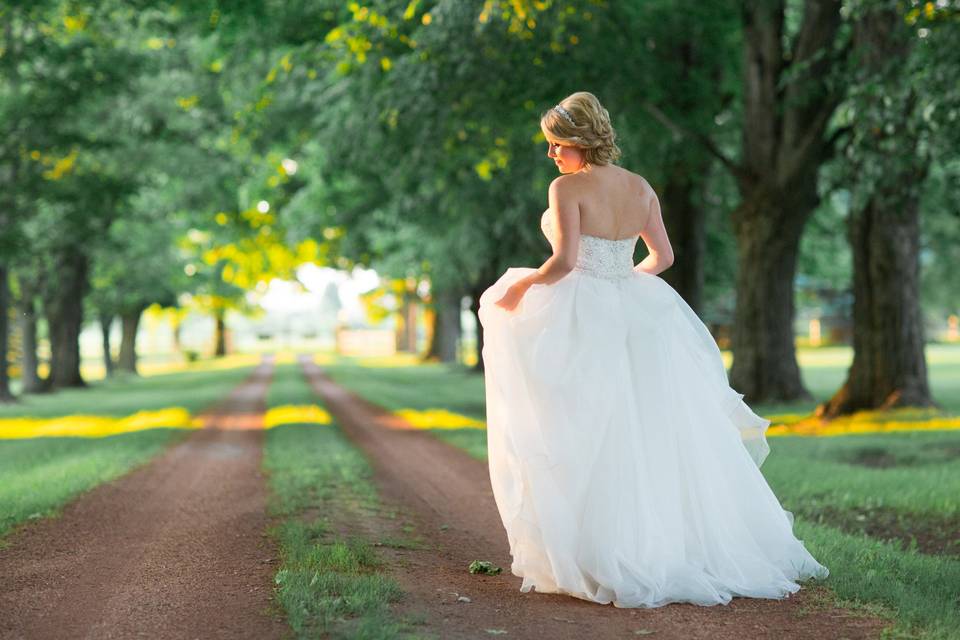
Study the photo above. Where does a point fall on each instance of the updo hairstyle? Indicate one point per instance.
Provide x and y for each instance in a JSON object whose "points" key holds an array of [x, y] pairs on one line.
{"points": [[590, 130]]}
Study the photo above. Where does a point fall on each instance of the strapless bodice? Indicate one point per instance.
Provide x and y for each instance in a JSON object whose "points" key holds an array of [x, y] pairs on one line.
{"points": [[599, 257]]}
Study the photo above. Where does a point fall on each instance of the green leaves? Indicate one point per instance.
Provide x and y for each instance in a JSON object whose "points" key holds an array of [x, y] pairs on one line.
{"points": [[484, 567]]}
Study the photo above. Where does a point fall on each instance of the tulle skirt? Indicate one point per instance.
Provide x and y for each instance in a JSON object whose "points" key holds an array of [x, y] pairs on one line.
{"points": [[624, 466]]}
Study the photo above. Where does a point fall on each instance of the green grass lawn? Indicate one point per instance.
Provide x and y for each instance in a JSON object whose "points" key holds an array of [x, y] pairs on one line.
{"points": [[882, 511], [329, 585], [823, 371], [192, 390], [39, 475]]}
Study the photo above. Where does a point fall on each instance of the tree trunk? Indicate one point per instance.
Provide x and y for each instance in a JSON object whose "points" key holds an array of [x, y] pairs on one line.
{"points": [[5, 393], [784, 145], [130, 322], [9, 169], [220, 337], [889, 369], [686, 169], [401, 330], [30, 381], [177, 332], [684, 221], [765, 364], [446, 331], [64, 310], [410, 323], [407, 323], [475, 309], [105, 321]]}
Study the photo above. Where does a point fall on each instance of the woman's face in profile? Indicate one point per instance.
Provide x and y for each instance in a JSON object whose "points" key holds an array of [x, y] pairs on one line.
{"points": [[568, 158]]}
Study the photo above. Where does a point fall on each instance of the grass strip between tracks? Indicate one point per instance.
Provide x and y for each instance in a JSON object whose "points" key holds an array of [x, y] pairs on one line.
{"points": [[330, 585]]}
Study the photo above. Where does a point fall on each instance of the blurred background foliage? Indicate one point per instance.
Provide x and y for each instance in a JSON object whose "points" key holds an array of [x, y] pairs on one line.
{"points": [[184, 153]]}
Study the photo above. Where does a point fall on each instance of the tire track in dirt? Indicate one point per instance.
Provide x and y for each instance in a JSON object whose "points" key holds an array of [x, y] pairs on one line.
{"points": [[447, 495], [177, 548]]}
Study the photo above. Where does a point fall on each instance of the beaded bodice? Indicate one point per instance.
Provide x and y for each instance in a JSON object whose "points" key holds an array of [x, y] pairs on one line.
{"points": [[599, 257]]}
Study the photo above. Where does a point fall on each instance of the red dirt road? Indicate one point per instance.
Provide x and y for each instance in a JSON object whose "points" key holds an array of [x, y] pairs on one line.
{"points": [[175, 549], [447, 495]]}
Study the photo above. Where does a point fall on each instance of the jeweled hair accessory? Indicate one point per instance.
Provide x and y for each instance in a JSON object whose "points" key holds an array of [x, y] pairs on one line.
{"points": [[565, 114]]}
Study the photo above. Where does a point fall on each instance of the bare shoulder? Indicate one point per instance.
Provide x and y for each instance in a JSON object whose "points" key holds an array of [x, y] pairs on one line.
{"points": [[566, 186], [640, 184], [565, 182], [634, 181]]}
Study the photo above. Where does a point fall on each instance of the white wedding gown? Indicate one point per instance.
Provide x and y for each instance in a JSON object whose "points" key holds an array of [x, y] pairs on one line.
{"points": [[624, 466]]}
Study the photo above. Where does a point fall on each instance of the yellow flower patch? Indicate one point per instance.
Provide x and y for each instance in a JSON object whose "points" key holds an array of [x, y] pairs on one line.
{"points": [[89, 426], [439, 419], [849, 426], [394, 360], [787, 418], [296, 414], [899, 420]]}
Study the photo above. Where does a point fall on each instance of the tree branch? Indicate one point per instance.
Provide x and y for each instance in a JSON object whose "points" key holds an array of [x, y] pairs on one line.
{"points": [[836, 135], [683, 132]]}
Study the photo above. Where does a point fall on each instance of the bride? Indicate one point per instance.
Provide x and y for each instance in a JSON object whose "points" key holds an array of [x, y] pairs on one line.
{"points": [[624, 466]]}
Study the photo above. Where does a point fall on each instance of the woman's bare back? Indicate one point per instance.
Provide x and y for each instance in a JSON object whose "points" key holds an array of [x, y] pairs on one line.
{"points": [[614, 203]]}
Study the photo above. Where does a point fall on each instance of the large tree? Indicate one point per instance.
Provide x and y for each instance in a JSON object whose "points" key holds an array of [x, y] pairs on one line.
{"points": [[907, 73], [135, 266], [65, 173], [789, 99], [684, 75], [429, 124]]}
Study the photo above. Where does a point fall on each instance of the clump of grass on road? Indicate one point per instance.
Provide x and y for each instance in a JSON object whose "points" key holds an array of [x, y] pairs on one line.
{"points": [[329, 586]]}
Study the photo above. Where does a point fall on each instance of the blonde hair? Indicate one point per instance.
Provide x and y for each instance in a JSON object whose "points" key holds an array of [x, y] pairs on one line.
{"points": [[590, 130]]}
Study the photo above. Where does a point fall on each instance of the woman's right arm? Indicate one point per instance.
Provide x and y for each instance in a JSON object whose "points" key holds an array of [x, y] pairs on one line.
{"points": [[655, 237]]}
